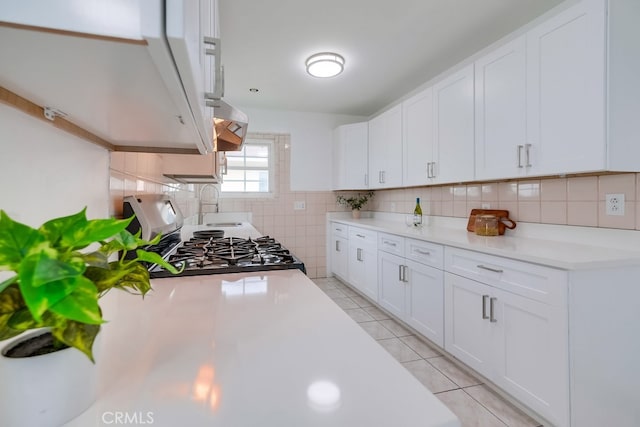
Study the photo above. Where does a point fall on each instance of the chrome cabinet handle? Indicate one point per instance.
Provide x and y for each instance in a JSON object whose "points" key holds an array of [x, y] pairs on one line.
{"points": [[388, 243], [212, 41], [484, 306], [495, 270], [520, 147], [366, 179], [361, 236], [218, 90], [402, 273], [359, 254], [492, 317], [338, 229], [421, 252], [527, 152], [430, 170], [337, 245], [433, 169]]}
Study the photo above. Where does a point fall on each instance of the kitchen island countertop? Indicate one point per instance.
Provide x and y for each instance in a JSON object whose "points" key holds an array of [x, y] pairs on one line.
{"points": [[249, 349]]}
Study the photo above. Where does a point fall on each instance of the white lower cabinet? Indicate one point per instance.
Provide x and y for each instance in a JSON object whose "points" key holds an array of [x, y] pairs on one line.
{"points": [[425, 299], [392, 286], [410, 287], [363, 260], [508, 320], [339, 254]]}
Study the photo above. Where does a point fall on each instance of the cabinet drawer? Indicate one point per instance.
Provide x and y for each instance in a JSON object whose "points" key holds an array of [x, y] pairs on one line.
{"points": [[391, 243], [362, 237], [338, 229], [425, 253], [544, 284]]}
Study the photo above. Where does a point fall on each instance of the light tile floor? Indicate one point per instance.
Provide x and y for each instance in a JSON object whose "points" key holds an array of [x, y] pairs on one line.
{"points": [[475, 404]]}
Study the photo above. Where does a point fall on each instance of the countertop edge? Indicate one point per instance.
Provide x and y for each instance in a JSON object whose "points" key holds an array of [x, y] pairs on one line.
{"points": [[514, 247]]}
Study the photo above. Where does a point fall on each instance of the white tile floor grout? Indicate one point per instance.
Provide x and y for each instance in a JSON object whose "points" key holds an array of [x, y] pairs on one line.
{"points": [[474, 403]]}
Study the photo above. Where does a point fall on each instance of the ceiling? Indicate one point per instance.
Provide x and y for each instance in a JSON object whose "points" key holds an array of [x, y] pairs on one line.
{"points": [[390, 47]]}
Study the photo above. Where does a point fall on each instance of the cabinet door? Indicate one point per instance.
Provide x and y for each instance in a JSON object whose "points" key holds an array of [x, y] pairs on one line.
{"points": [[185, 29], [566, 91], [425, 301], [391, 286], [454, 127], [385, 149], [532, 361], [340, 257], [339, 158], [500, 88], [355, 139], [363, 269], [417, 135], [468, 332]]}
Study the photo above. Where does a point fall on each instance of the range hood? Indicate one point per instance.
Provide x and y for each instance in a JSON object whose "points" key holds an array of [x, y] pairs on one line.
{"points": [[230, 127]]}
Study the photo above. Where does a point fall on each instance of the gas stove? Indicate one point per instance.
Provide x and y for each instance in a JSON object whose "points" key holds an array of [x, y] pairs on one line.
{"points": [[207, 252]]}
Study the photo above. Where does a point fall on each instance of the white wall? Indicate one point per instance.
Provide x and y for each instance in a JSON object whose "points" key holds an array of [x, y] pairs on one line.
{"points": [[45, 172], [311, 142]]}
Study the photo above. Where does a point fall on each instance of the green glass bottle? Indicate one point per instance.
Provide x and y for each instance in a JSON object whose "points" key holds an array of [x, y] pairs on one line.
{"points": [[417, 214]]}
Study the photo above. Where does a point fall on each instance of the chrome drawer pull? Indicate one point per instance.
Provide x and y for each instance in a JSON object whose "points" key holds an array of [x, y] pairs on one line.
{"points": [[389, 243], [492, 318], [421, 252], [359, 254], [484, 306], [361, 236], [495, 270]]}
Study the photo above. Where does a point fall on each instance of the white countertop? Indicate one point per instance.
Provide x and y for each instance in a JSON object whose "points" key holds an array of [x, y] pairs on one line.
{"points": [[560, 247], [249, 349]]}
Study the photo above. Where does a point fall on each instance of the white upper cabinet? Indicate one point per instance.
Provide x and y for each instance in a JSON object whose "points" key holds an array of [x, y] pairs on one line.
{"points": [[350, 144], [562, 98], [454, 127], [566, 91], [501, 112], [118, 69], [417, 135], [385, 149]]}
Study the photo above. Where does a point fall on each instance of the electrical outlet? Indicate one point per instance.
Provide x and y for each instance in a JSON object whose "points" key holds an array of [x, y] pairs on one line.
{"points": [[299, 206], [614, 204], [486, 206]]}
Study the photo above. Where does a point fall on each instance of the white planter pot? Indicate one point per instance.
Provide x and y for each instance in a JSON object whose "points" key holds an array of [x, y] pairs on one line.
{"points": [[46, 390]]}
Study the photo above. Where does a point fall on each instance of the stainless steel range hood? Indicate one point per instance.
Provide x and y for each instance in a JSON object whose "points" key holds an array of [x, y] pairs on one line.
{"points": [[230, 127]]}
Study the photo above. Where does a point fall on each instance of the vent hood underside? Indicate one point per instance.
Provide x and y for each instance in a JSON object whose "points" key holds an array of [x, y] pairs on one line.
{"points": [[230, 127]]}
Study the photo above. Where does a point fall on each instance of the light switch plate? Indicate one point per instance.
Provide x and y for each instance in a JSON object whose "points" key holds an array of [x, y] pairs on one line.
{"points": [[299, 206]]}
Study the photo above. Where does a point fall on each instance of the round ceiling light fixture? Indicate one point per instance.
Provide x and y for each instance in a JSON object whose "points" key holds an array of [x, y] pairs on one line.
{"points": [[325, 64]]}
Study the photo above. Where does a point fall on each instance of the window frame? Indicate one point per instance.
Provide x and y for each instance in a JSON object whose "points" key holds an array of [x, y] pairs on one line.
{"points": [[270, 143]]}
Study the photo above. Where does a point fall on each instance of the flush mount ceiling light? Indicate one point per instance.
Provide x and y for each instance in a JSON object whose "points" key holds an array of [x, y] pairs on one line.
{"points": [[325, 64]]}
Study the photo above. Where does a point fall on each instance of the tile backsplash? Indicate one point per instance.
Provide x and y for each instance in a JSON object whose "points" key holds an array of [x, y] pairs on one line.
{"points": [[568, 201], [301, 231], [141, 173]]}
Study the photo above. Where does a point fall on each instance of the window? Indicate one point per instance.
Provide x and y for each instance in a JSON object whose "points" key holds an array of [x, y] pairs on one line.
{"points": [[250, 170]]}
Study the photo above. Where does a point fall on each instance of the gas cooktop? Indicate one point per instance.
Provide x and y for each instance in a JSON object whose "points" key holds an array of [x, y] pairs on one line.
{"points": [[208, 252]]}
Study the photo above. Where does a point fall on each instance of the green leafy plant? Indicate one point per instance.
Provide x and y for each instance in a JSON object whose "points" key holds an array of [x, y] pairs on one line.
{"points": [[355, 202], [53, 284]]}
